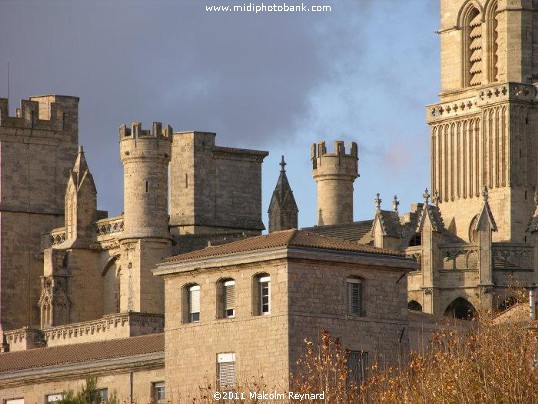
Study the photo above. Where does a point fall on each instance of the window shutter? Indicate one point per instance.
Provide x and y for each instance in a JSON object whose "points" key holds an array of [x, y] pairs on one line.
{"points": [[229, 298], [194, 299], [354, 298], [357, 363], [227, 376]]}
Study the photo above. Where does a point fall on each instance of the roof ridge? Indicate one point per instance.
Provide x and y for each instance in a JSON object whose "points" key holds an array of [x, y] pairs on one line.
{"points": [[87, 343]]}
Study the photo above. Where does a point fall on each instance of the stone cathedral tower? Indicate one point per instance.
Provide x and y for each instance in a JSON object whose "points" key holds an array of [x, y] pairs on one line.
{"points": [[483, 130]]}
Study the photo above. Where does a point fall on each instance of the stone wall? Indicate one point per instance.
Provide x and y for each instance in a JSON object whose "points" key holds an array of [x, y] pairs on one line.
{"points": [[213, 188], [260, 343], [116, 378], [318, 301], [37, 149]]}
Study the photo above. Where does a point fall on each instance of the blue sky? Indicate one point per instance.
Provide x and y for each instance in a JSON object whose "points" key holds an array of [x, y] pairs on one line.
{"points": [[272, 81]]}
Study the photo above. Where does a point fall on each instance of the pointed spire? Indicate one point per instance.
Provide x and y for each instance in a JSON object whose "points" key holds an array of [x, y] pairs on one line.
{"points": [[80, 165], [485, 216], [283, 165], [283, 211], [485, 194], [80, 171], [377, 202], [436, 198], [395, 203], [426, 197]]}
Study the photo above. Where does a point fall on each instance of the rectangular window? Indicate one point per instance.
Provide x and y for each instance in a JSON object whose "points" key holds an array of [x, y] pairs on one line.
{"points": [[53, 398], [194, 303], [158, 393], [102, 395], [357, 363], [14, 401], [226, 377], [265, 294], [229, 299], [354, 297], [265, 303]]}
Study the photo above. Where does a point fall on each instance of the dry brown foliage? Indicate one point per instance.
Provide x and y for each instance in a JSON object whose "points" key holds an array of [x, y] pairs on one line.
{"points": [[323, 368], [491, 364]]}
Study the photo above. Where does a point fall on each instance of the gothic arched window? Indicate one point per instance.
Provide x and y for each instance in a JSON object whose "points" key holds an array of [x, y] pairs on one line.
{"points": [[472, 47], [493, 41]]}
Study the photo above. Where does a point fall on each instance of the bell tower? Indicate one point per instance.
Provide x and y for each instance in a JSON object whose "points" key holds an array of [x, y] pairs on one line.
{"points": [[483, 129]]}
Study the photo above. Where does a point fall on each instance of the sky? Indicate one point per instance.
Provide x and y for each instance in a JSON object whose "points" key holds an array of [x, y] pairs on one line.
{"points": [[275, 81]]}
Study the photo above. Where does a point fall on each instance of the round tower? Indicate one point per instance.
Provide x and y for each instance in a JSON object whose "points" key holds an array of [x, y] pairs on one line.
{"points": [[334, 174], [145, 156]]}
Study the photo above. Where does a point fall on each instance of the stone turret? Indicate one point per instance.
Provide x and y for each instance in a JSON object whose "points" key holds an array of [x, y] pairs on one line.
{"points": [[334, 174], [145, 241], [283, 211], [145, 156]]}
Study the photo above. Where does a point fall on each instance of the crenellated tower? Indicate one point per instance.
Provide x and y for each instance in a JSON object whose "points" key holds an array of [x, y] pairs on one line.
{"points": [[145, 241], [37, 149], [334, 174], [483, 128]]}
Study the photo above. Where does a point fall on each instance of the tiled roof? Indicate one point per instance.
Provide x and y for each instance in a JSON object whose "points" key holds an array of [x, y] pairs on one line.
{"points": [[41, 357], [286, 238], [349, 231]]}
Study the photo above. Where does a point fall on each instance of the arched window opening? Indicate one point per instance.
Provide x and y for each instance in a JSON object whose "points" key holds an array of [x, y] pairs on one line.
{"points": [[461, 309], [416, 240], [473, 232], [493, 42], [472, 48], [226, 300], [261, 292], [191, 303], [414, 305], [507, 303]]}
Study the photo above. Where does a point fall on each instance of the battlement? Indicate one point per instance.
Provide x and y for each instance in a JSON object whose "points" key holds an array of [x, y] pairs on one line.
{"points": [[136, 131], [137, 144], [46, 112], [339, 158]]}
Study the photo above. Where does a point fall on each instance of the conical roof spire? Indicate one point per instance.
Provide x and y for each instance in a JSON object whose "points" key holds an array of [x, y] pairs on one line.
{"points": [[283, 208]]}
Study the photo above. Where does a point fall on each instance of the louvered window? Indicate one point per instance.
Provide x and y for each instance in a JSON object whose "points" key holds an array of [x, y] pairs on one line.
{"points": [[473, 48], [226, 371], [354, 297], [357, 363], [493, 34], [194, 303], [265, 294], [229, 299]]}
